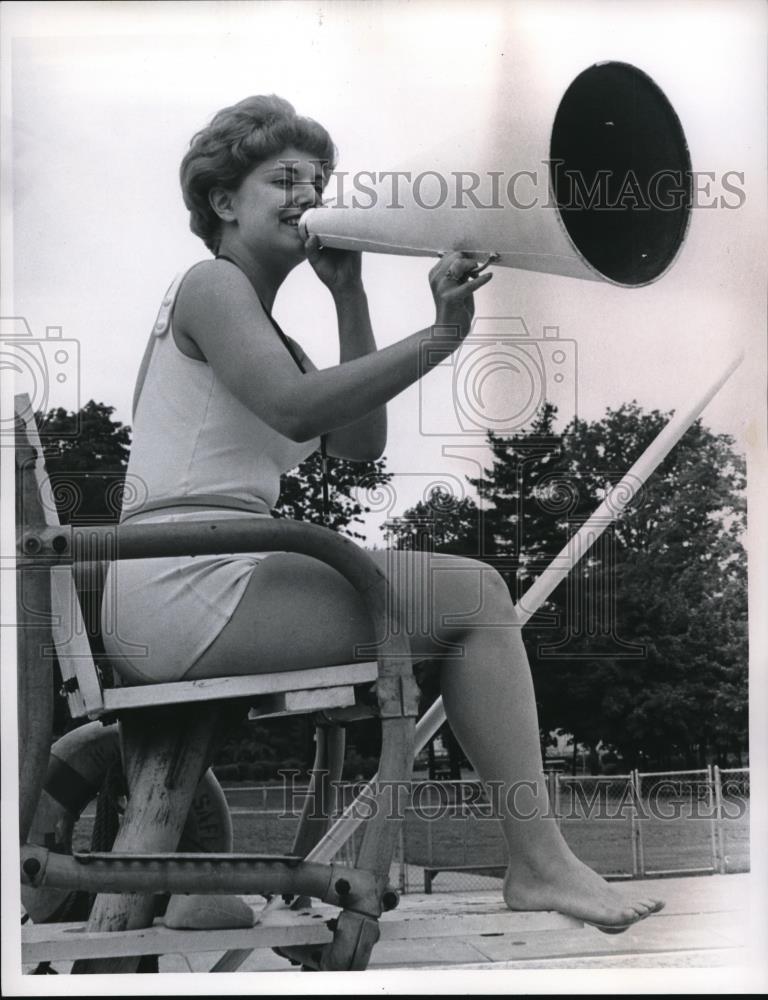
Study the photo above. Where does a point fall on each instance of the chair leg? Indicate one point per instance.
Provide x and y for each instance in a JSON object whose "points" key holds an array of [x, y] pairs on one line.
{"points": [[356, 933], [165, 754]]}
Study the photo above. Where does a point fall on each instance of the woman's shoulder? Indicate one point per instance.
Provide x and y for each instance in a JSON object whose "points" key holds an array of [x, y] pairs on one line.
{"points": [[205, 288], [207, 275]]}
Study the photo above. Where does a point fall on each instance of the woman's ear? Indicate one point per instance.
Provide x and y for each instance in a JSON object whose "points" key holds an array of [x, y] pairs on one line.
{"points": [[221, 202]]}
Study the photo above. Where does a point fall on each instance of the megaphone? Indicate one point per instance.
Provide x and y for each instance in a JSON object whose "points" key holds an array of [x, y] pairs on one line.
{"points": [[606, 192]]}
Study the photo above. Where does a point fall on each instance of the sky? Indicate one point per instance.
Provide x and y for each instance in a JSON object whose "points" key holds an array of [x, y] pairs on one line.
{"points": [[105, 98], [101, 99]]}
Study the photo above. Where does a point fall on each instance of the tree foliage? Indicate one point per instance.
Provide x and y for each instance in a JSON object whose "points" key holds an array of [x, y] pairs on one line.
{"points": [[301, 492], [86, 456], [643, 647]]}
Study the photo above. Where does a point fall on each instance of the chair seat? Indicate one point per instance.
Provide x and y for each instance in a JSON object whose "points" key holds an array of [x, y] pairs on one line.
{"points": [[288, 691]]}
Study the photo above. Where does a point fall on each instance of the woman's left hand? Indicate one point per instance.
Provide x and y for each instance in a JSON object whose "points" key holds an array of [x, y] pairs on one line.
{"points": [[340, 270]]}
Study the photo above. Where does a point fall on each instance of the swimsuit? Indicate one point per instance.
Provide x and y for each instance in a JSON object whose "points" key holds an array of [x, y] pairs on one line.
{"points": [[197, 453]]}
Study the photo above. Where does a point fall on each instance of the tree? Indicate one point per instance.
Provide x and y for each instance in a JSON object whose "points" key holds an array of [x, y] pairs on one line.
{"points": [[301, 492], [644, 646], [86, 456], [637, 664]]}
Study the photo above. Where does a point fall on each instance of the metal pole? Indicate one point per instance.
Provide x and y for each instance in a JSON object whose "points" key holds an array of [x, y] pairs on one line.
{"points": [[401, 880]]}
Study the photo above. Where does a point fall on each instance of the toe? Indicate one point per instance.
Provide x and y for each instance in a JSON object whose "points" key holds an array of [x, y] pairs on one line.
{"points": [[646, 905]]}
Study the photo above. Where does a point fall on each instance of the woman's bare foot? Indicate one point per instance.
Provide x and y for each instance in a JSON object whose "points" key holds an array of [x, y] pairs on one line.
{"points": [[570, 887], [198, 912]]}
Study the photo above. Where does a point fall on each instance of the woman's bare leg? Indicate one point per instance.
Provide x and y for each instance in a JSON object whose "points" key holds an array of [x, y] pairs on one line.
{"points": [[490, 704], [458, 612]]}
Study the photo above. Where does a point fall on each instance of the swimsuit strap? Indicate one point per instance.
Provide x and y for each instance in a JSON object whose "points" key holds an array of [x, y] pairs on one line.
{"points": [[162, 324]]}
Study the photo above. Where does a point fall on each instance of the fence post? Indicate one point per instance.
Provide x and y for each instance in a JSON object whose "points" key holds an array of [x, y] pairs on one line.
{"points": [[402, 881], [465, 818], [556, 798], [430, 854], [712, 818], [638, 854], [633, 828], [718, 792]]}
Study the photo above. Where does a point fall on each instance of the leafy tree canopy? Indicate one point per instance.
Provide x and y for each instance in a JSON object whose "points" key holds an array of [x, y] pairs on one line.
{"points": [[643, 647]]}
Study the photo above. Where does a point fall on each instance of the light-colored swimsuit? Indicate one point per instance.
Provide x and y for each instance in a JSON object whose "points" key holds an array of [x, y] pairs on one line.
{"points": [[191, 437]]}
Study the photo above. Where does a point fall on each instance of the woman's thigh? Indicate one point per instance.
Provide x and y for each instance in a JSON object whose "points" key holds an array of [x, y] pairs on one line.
{"points": [[297, 612]]}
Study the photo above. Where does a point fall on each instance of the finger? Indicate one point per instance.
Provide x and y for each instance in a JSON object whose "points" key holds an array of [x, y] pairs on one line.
{"points": [[478, 268], [450, 259], [313, 246], [466, 288], [463, 267]]}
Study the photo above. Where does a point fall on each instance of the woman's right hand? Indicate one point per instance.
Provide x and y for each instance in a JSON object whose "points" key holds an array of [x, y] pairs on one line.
{"points": [[454, 280]]}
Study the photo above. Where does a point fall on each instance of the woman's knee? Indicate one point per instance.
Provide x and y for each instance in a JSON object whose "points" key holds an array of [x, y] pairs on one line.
{"points": [[449, 592]]}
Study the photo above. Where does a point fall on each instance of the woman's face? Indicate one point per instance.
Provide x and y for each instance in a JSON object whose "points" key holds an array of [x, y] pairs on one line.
{"points": [[270, 200]]}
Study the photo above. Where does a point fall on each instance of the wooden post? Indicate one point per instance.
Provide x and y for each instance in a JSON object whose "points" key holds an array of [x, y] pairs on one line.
{"points": [[34, 638], [166, 752]]}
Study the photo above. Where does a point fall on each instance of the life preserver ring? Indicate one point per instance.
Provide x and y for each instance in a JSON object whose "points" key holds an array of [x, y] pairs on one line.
{"points": [[77, 767]]}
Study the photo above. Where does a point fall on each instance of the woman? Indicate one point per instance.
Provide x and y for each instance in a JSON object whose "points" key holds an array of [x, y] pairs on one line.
{"points": [[223, 409]]}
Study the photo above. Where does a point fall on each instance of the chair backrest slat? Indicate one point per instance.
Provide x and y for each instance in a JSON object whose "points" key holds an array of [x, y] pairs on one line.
{"points": [[68, 632]]}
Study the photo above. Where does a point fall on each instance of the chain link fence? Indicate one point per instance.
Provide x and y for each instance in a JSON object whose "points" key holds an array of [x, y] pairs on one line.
{"points": [[677, 820], [623, 826], [597, 817], [732, 798]]}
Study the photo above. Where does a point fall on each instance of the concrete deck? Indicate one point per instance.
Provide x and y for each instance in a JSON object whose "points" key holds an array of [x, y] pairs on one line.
{"points": [[704, 925], [705, 936]]}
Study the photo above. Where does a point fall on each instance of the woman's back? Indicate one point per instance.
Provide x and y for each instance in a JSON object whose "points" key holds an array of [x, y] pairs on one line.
{"points": [[191, 439], [191, 435]]}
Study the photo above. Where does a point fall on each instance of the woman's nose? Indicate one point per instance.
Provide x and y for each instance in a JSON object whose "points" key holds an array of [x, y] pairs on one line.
{"points": [[305, 195]]}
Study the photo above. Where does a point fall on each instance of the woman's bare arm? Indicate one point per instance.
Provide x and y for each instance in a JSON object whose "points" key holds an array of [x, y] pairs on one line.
{"points": [[219, 310], [365, 439]]}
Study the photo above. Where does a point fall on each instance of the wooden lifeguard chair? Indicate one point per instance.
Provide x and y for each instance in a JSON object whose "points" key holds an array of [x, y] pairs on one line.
{"points": [[169, 733]]}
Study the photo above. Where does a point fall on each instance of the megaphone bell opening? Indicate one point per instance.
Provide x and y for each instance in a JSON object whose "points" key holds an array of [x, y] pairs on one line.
{"points": [[621, 173]]}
